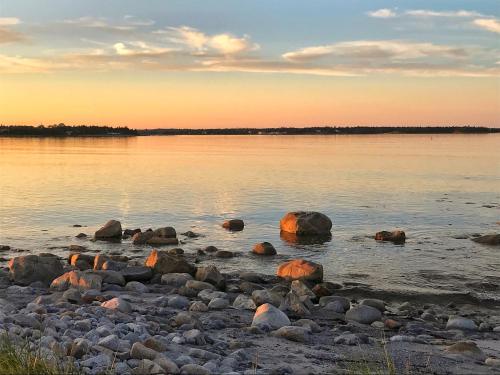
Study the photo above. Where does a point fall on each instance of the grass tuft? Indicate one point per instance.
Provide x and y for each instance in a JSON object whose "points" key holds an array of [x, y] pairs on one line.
{"points": [[20, 359]]}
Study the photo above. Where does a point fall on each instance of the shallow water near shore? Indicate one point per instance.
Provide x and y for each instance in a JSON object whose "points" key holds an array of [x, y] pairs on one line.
{"points": [[440, 189]]}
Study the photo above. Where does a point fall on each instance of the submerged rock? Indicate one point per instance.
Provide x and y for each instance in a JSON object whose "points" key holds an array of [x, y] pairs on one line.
{"points": [[112, 230], [397, 236], [300, 269], [264, 248], [233, 224], [489, 239], [305, 223], [27, 269]]}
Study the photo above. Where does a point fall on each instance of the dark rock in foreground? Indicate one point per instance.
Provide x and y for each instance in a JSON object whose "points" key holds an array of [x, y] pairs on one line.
{"points": [[112, 230], [27, 269]]}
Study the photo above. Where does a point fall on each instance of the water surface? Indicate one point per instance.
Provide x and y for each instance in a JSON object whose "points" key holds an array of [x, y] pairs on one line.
{"points": [[438, 188]]}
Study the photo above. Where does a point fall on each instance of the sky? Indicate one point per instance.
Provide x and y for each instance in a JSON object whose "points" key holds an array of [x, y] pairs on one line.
{"points": [[255, 63]]}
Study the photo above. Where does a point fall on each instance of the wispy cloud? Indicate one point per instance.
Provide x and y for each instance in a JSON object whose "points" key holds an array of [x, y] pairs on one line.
{"points": [[139, 48], [376, 49], [450, 14], [127, 24], [224, 43], [489, 24], [382, 13]]}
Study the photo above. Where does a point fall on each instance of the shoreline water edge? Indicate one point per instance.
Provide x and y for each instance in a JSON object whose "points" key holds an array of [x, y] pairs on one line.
{"points": [[110, 313]]}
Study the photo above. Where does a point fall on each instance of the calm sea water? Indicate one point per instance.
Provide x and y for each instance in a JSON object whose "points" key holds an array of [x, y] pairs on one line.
{"points": [[436, 188]]}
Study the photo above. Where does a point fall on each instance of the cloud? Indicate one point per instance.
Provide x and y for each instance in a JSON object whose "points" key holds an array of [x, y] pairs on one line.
{"points": [[451, 14], [10, 36], [382, 13], [489, 24], [139, 48], [127, 24], [224, 43], [9, 21], [375, 49]]}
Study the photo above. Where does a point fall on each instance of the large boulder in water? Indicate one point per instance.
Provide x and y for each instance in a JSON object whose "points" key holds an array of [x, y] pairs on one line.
{"points": [[165, 232], [233, 224], [304, 223], [162, 262], [112, 230], [300, 269], [489, 239], [264, 248], [27, 269]]}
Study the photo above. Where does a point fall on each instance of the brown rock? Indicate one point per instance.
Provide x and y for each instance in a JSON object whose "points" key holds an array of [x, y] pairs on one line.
{"points": [[300, 269], [233, 224], [224, 254], [305, 223], [397, 236], [264, 248], [27, 269], [489, 239], [111, 230], [161, 262]]}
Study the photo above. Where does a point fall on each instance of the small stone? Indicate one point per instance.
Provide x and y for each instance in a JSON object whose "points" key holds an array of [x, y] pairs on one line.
{"points": [[194, 369], [211, 274], [466, 348], [111, 342], [492, 362], [234, 224], [118, 304], [218, 304], [244, 302], [363, 314], [223, 254], [139, 351], [268, 315], [79, 348], [293, 333], [351, 339], [178, 302], [462, 324], [175, 279], [376, 303], [198, 306], [264, 248], [136, 287]]}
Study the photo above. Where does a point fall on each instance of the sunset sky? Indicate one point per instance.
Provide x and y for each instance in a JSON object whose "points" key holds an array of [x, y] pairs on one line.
{"points": [[259, 63]]}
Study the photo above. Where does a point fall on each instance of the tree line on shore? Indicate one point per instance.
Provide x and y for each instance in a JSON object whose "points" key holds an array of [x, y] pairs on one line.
{"points": [[62, 130]]}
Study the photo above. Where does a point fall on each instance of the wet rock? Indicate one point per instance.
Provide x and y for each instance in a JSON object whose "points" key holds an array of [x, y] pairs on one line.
{"points": [[162, 241], [27, 269], [244, 303], [210, 249], [176, 279], [199, 285], [165, 232], [300, 269], [81, 235], [112, 230], [306, 223], [377, 303], [293, 333], [489, 239], [77, 248], [161, 262], [175, 251], [137, 273], [301, 289], [131, 232], [112, 265], [211, 274], [233, 224], [268, 315], [462, 324], [264, 248], [363, 314], [118, 304], [142, 237], [397, 236]]}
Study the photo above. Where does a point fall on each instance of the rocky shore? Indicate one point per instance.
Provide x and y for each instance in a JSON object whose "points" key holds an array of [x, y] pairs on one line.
{"points": [[163, 314]]}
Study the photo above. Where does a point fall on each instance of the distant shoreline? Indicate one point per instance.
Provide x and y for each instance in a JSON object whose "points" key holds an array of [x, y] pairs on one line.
{"points": [[64, 131]]}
